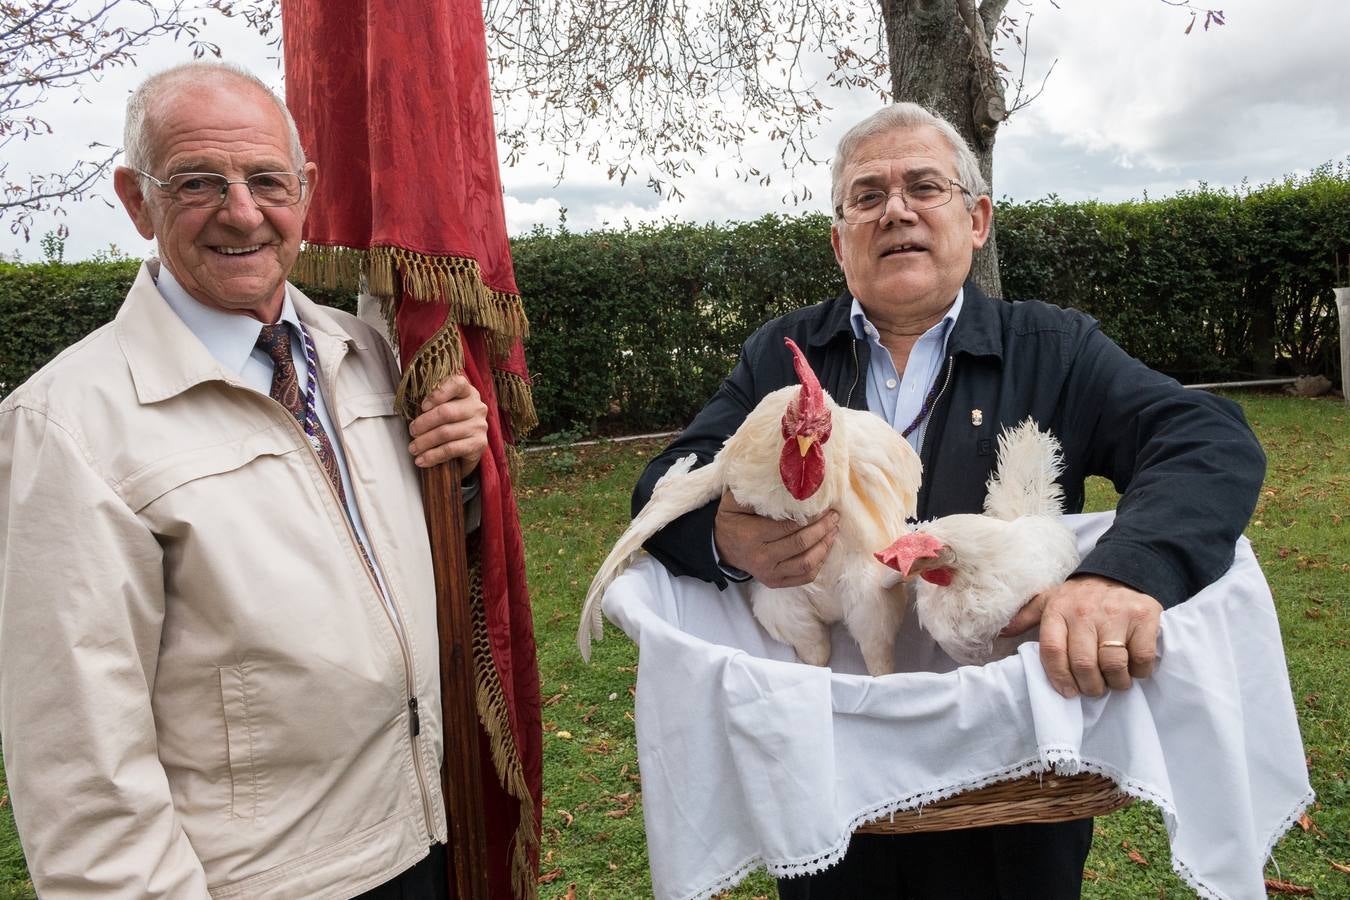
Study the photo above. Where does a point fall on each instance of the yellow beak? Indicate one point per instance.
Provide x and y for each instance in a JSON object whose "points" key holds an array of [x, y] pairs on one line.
{"points": [[804, 443]]}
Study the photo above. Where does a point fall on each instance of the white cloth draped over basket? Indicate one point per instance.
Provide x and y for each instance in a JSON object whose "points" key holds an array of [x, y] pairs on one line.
{"points": [[751, 759]]}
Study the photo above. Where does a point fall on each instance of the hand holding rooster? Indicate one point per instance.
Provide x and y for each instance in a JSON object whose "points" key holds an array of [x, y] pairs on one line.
{"points": [[778, 552]]}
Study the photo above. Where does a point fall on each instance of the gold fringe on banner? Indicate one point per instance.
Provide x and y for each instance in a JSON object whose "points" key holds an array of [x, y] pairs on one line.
{"points": [[513, 394], [333, 268], [436, 360], [490, 701], [455, 281]]}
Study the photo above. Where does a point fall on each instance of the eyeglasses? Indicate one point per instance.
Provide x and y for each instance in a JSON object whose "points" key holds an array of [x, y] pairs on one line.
{"points": [[198, 190], [870, 204]]}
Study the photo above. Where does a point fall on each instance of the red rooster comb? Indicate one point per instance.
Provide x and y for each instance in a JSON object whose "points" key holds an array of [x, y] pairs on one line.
{"points": [[812, 398]]}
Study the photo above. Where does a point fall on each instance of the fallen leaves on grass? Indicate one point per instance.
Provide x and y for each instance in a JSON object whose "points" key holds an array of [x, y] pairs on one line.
{"points": [[1340, 867], [624, 801], [571, 892], [568, 818], [1275, 886], [1135, 856], [551, 876], [1307, 824]]}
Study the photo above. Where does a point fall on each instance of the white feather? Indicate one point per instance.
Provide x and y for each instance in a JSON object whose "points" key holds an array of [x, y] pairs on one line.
{"points": [[1023, 483], [681, 490]]}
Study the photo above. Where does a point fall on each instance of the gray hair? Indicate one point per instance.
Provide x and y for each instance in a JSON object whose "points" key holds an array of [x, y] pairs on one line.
{"points": [[892, 118], [138, 133]]}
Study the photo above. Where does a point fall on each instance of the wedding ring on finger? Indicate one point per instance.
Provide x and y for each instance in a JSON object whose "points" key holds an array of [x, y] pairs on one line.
{"points": [[1104, 644]]}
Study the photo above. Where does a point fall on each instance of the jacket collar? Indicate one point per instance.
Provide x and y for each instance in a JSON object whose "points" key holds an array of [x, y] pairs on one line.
{"points": [[977, 330], [166, 358]]}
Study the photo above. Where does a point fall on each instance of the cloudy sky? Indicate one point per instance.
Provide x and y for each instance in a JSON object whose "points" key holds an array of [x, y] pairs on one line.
{"points": [[1133, 106]]}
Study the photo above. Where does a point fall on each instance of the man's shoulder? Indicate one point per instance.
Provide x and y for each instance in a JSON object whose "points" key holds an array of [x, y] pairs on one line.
{"points": [[93, 363], [1028, 316]]}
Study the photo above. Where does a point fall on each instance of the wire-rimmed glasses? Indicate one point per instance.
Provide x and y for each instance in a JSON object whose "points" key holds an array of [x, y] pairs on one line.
{"points": [[197, 190], [869, 204]]}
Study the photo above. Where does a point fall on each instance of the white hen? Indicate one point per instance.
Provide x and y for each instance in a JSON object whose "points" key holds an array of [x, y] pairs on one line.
{"points": [[977, 571], [796, 455]]}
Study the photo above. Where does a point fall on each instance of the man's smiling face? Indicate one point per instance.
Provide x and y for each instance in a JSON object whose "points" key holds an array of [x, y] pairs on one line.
{"points": [[235, 257], [915, 261]]}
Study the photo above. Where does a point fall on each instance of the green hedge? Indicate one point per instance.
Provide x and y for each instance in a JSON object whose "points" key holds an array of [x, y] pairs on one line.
{"points": [[1204, 284], [633, 329]]}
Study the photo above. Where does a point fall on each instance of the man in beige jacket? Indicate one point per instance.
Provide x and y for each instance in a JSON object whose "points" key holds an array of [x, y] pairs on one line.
{"points": [[217, 625]]}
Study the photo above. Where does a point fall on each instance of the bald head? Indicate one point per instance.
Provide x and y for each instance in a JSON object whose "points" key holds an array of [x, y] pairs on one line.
{"points": [[145, 104]]}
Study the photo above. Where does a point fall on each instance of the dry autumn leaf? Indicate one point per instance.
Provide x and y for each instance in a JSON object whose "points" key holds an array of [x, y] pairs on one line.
{"points": [[1339, 867], [1274, 886], [550, 877], [571, 892]]}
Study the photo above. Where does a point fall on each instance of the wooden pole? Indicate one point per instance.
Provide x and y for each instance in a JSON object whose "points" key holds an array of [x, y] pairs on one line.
{"points": [[461, 775]]}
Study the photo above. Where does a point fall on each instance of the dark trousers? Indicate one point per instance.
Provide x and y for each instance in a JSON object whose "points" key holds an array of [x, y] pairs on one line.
{"points": [[1003, 862], [424, 881]]}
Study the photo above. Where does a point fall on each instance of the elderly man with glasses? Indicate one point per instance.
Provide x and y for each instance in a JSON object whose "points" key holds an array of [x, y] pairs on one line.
{"points": [[914, 341], [217, 617]]}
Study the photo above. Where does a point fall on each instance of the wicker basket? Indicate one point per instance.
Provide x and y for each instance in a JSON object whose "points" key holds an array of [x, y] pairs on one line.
{"points": [[1034, 798]]}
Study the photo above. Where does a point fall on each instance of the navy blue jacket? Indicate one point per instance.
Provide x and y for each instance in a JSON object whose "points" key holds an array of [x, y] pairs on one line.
{"points": [[1186, 464]]}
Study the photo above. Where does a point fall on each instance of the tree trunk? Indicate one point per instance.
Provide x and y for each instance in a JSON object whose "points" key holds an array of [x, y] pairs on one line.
{"points": [[940, 58]]}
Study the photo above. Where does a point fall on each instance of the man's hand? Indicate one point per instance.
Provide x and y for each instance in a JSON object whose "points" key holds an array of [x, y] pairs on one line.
{"points": [[453, 424], [780, 553], [1095, 633]]}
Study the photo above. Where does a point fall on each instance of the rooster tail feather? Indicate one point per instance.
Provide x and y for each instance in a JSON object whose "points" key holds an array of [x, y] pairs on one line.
{"points": [[1023, 483], [681, 490]]}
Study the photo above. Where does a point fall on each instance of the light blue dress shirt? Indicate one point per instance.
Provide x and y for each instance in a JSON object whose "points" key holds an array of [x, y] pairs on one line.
{"points": [[898, 398], [233, 340]]}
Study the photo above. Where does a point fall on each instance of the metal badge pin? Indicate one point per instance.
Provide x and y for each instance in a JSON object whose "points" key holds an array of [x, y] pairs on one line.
{"points": [[977, 417]]}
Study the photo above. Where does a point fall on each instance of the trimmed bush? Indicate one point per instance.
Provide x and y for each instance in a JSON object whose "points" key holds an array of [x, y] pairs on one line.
{"points": [[632, 329]]}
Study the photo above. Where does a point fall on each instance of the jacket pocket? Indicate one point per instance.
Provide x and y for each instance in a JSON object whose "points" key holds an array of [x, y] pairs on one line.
{"points": [[240, 741], [164, 475], [366, 406]]}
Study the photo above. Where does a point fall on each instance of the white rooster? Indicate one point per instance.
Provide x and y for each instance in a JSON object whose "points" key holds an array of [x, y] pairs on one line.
{"points": [[977, 571], [796, 455]]}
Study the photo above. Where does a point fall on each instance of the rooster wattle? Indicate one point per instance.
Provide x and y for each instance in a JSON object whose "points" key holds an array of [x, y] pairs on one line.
{"points": [[796, 455]]}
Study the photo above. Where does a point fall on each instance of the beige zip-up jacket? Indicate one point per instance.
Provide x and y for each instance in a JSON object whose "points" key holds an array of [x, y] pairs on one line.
{"points": [[201, 688]]}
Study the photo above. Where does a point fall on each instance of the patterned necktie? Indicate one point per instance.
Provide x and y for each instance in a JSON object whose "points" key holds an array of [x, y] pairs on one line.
{"points": [[275, 341]]}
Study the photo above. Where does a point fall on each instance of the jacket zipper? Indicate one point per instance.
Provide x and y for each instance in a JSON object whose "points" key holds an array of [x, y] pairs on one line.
{"points": [[414, 720], [857, 370], [923, 444], [409, 688]]}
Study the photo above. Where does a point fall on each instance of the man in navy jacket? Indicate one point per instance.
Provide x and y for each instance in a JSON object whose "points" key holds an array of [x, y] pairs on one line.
{"points": [[913, 340]]}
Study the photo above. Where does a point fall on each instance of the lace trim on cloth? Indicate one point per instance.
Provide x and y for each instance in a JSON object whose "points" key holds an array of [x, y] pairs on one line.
{"points": [[1057, 759]]}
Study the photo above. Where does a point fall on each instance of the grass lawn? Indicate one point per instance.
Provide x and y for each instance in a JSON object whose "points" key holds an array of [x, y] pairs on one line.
{"points": [[574, 503]]}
